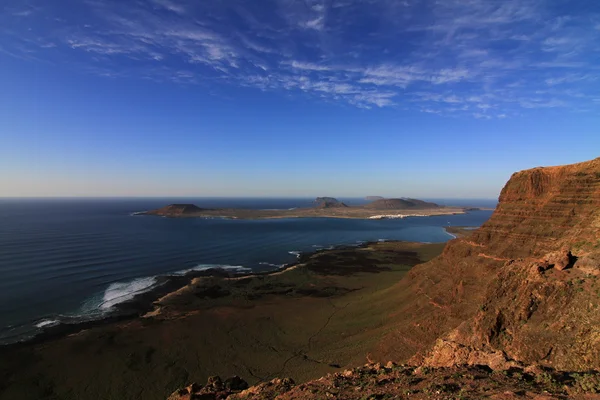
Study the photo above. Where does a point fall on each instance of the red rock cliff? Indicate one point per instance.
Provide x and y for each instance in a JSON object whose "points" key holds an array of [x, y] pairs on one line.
{"points": [[523, 288]]}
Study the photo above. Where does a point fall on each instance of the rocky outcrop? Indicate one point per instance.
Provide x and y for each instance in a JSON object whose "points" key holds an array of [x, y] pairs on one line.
{"points": [[328, 202], [214, 389], [393, 381], [401, 204]]}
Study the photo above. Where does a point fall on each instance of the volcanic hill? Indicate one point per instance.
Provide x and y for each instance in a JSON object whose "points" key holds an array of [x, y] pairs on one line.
{"points": [[401, 204], [328, 202]]}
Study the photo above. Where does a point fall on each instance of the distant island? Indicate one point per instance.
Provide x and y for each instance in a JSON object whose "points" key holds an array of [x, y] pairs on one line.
{"points": [[373, 198], [401, 204], [324, 207], [328, 202]]}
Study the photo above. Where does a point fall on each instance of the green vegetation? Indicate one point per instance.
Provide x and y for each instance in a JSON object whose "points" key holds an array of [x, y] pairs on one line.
{"points": [[302, 323]]}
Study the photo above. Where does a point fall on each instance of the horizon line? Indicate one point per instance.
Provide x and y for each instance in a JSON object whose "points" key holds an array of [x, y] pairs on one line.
{"points": [[238, 197]]}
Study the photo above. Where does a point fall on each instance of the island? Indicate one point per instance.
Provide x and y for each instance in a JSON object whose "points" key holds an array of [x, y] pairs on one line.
{"points": [[324, 207]]}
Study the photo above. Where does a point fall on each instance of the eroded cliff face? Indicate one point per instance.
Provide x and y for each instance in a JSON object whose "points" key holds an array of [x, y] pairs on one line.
{"points": [[544, 209], [524, 288], [521, 289]]}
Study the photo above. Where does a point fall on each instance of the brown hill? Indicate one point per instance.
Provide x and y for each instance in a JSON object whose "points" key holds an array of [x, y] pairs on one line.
{"points": [[522, 289], [400, 204], [328, 202], [176, 210]]}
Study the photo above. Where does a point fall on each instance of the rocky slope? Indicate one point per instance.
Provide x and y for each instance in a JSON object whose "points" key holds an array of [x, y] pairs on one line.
{"points": [[374, 381], [542, 304], [522, 289], [400, 204]]}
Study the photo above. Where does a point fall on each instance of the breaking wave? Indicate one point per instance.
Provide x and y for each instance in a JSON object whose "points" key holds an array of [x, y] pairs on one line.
{"points": [[123, 291], [47, 323], [205, 267]]}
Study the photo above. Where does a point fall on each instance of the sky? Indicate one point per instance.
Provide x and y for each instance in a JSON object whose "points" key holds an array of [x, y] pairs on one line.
{"points": [[416, 98]]}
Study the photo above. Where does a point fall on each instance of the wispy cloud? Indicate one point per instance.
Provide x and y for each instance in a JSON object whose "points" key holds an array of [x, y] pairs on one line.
{"points": [[171, 6], [450, 57]]}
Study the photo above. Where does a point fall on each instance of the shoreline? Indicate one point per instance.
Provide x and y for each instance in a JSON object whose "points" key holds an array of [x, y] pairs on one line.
{"points": [[459, 231], [142, 305], [305, 319]]}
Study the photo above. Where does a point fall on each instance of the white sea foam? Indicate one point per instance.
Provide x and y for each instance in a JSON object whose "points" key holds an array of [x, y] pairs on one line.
{"points": [[47, 323], [122, 291], [204, 267], [271, 264], [295, 253], [133, 214]]}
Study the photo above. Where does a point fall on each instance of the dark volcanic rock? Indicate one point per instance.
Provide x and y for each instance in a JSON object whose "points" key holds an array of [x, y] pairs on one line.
{"points": [[393, 381], [235, 383], [328, 202]]}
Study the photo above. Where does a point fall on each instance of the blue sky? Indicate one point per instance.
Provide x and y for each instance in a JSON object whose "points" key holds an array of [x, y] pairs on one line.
{"points": [[426, 98]]}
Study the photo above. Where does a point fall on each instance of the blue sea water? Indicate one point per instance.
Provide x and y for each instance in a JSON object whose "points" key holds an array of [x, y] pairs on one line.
{"points": [[62, 260]]}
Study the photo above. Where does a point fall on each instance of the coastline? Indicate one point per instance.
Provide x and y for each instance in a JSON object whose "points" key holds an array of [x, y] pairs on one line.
{"points": [[341, 213], [144, 303], [307, 318]]}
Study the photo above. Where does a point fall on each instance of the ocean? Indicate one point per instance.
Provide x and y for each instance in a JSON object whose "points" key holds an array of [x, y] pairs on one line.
{"points": [[68, 260]]}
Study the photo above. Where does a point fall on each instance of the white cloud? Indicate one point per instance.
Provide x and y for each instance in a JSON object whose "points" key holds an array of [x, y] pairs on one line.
{"points": [[317, 24], [306, 66], [470, 57], [447, 75]]}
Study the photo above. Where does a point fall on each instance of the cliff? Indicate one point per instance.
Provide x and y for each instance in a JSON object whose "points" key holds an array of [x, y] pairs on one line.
{"points": [[541, 301], [522, 289], [400, 204]]}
